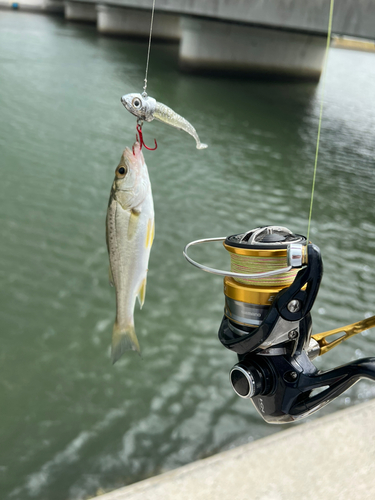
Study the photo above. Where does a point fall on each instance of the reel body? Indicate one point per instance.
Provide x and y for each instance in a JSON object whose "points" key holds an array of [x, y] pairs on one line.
{"points": [[267, 323]]}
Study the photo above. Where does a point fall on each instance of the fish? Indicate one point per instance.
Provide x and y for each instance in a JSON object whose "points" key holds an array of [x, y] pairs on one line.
{"points": [[130, 229], [146, 108]]}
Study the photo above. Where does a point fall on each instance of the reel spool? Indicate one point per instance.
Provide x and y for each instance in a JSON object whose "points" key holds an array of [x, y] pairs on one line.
{"points": [[247, 300], [269, 292]]}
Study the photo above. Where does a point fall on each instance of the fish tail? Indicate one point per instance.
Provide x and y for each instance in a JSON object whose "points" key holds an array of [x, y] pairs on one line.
{"points": [[167, 115], [123, 339]]}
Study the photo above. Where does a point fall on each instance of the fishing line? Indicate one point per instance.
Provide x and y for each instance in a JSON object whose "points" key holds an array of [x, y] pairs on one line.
{"points": [[266, 261], [149, 49], [321, 112], [259, 264]]}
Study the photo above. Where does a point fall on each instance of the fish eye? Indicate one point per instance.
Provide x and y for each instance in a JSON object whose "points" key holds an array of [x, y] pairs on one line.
{"points": [[136, 103], [120, 172]]}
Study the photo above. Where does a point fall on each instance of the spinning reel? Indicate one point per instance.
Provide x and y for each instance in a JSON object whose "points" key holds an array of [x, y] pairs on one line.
{"points": [[267, 323]]}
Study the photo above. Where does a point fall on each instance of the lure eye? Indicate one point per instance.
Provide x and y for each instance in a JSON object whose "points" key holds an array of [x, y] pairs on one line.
{"points": [[120, 172], [136, 103]]}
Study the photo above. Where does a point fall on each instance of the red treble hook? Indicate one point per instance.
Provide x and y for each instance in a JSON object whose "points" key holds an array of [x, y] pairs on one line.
{"points": [[139, 138]]}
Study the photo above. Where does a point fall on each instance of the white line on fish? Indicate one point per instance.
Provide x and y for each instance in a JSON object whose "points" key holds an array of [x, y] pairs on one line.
{"points": [[147, 108]]}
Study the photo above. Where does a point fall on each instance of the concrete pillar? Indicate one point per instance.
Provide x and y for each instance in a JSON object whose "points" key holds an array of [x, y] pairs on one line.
{"points": [[208, 45], [54, 6], [80, 11], [136, 23]]}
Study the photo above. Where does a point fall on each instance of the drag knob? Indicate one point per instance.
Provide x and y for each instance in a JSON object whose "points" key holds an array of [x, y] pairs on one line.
{"points": [[246, 381]]}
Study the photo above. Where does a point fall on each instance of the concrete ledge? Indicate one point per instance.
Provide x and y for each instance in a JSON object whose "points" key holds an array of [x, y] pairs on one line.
{"points": [[136, 23], [329, 458], [353, 44]]}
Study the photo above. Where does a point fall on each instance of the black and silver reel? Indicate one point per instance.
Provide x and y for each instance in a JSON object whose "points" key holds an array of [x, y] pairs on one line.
{"points": [[269, 292]]}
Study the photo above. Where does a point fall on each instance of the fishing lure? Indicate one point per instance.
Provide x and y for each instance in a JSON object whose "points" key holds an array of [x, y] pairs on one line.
{"points": [[147, 108]]}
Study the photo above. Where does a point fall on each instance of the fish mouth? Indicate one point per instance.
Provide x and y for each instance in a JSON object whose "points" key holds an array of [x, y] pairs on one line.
{"points": [[124, 102], [127, 154], [131, 154]]}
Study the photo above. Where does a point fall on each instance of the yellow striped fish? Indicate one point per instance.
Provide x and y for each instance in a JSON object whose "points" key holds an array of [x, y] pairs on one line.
{"points": [[130, 233]]}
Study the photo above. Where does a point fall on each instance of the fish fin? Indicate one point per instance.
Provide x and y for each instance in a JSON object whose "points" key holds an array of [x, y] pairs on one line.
{"points": [[106, 233], [201, 145], [150, 233], [110, 276], [123, 339], [133, 223], [142, 293]]}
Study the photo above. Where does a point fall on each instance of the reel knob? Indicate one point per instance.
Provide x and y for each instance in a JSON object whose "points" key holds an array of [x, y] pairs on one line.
{"points": [[246, 381]]}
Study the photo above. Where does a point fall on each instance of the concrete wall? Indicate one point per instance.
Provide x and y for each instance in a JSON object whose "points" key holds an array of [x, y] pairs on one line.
{"points": [[351, 17], [80, 11], [134, 22], [216, 46]]}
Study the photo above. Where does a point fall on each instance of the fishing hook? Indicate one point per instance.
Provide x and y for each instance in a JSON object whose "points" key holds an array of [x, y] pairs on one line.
{"points": [[139, 138]]}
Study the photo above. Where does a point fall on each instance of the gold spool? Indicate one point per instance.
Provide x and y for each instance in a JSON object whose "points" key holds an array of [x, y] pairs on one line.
{"points": [[247, 300], [250, 294], [252, 261]]}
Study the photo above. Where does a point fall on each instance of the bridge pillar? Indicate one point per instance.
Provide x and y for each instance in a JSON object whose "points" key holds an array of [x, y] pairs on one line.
{"points": [[216, 46], [136, 23], [80, 11]]}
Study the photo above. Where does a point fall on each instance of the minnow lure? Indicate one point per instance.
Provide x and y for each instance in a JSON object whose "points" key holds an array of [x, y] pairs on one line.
{"points": [[147, 108]]}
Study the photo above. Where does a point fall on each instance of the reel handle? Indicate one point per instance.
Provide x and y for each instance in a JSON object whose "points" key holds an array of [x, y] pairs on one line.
{"points": [[284, 391], [347, 332]]}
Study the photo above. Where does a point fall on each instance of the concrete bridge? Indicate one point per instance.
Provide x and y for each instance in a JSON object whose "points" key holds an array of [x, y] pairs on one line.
{"points": [[269, 38], [276, 38]]}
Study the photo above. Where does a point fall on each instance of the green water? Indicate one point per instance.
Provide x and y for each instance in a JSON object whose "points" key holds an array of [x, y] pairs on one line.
{"points": [[70, 422]]}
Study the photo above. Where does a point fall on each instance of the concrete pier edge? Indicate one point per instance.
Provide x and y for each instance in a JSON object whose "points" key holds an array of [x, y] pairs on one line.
{"points": [[332, 457]]}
